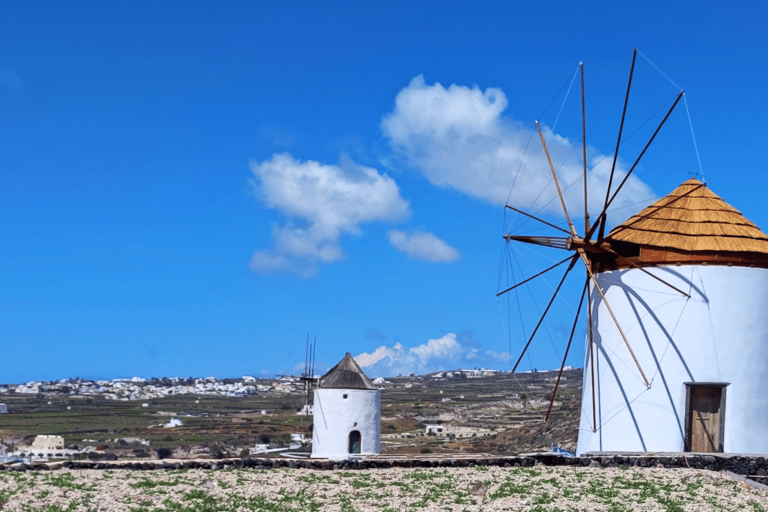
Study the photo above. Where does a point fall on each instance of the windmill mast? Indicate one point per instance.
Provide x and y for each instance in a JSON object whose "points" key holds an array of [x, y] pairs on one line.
{"points": [[307, 377]]}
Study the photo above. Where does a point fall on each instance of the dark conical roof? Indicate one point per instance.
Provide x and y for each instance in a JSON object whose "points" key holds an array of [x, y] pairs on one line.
{"points": [[345, 375]]}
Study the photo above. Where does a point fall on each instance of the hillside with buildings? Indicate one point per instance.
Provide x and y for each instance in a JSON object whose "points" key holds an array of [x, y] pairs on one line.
{"points": [[463, 411]]}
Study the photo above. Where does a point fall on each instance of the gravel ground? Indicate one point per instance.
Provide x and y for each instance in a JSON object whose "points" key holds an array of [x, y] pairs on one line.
{"points": [[479, 488]]}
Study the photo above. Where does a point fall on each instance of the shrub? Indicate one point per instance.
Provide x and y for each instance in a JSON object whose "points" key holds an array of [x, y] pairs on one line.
{"points": [[163, 453]]}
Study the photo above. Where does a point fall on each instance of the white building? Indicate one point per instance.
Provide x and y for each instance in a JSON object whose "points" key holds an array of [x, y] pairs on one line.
{"points": [[705, 357], [48, 443], [347, 413], [434, 429]]}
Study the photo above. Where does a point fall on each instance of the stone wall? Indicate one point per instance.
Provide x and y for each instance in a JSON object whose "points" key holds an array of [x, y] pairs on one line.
{"points": [[753, 467]]}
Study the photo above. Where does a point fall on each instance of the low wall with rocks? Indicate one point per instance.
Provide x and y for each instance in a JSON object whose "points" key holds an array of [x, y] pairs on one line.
{"points": [[754, 467]]}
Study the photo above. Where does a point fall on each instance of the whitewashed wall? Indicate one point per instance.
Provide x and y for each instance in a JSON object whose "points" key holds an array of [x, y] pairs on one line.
{"points": [[720, 334], [335, 417]]}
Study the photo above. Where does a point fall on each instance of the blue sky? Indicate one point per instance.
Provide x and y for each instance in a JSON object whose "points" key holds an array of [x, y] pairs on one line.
{"points": [[190, 188]]}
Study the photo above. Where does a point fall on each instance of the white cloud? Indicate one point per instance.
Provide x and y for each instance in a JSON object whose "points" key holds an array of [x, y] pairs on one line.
{"points": [[450, 352], [387, 361], [322, 203], [457, 137], [365, 359], [445, 347], [422, 245]]}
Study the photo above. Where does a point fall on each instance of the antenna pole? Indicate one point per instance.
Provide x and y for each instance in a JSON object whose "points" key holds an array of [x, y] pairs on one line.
{"points": [[314, 351]]}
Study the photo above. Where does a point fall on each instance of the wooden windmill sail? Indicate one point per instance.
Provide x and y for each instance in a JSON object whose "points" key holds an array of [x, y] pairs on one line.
{"points": [[591, 248]]}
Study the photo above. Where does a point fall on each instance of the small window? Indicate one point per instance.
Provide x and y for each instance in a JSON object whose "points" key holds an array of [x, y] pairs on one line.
{"points": [[345, 396]]}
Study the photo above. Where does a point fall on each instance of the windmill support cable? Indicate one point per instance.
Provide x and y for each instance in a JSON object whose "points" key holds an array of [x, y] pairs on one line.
{"points": [[532, 300], [538, 219], [618, 141], [567, 349], [658, 69], [565, 99], [693, 137], [519, 167], [557, 182], [615, 320], [505, 329], [562, 87], [535, 276], [570, 267]]}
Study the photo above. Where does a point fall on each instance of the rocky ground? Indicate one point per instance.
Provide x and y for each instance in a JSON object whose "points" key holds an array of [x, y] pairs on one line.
{"points": [[538, 488]]}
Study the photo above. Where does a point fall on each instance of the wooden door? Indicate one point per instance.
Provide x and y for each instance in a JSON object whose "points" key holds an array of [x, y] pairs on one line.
{"points": [[705, 419]]}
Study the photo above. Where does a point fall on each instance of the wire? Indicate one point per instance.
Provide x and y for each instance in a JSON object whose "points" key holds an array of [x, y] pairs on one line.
{"points": [[693, 136], [509, 267], [660, 71], [565, 98], [519, 167], [556, 95], [609, 56]]}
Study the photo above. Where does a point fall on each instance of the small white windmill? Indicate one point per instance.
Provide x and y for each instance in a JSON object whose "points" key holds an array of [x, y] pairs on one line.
{"points": [[347, 413]]}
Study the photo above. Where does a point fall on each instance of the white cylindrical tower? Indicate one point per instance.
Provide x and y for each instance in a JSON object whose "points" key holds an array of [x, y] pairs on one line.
{"points": [[705, 356], [347, 413]]}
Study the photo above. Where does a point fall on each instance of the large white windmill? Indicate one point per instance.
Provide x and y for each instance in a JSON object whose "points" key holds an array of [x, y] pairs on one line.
{"points": [[677, 299]]}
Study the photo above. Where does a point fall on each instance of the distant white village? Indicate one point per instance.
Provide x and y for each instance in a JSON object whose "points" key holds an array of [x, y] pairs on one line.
{"points": [[138, 388]]}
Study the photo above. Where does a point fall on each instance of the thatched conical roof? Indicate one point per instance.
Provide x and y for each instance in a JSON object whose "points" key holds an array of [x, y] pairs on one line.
{"points": [[345, 375], [692, 219]]}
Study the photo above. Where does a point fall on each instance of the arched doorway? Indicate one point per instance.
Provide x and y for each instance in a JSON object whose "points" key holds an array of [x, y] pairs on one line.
{"points": [[354, 441]]}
